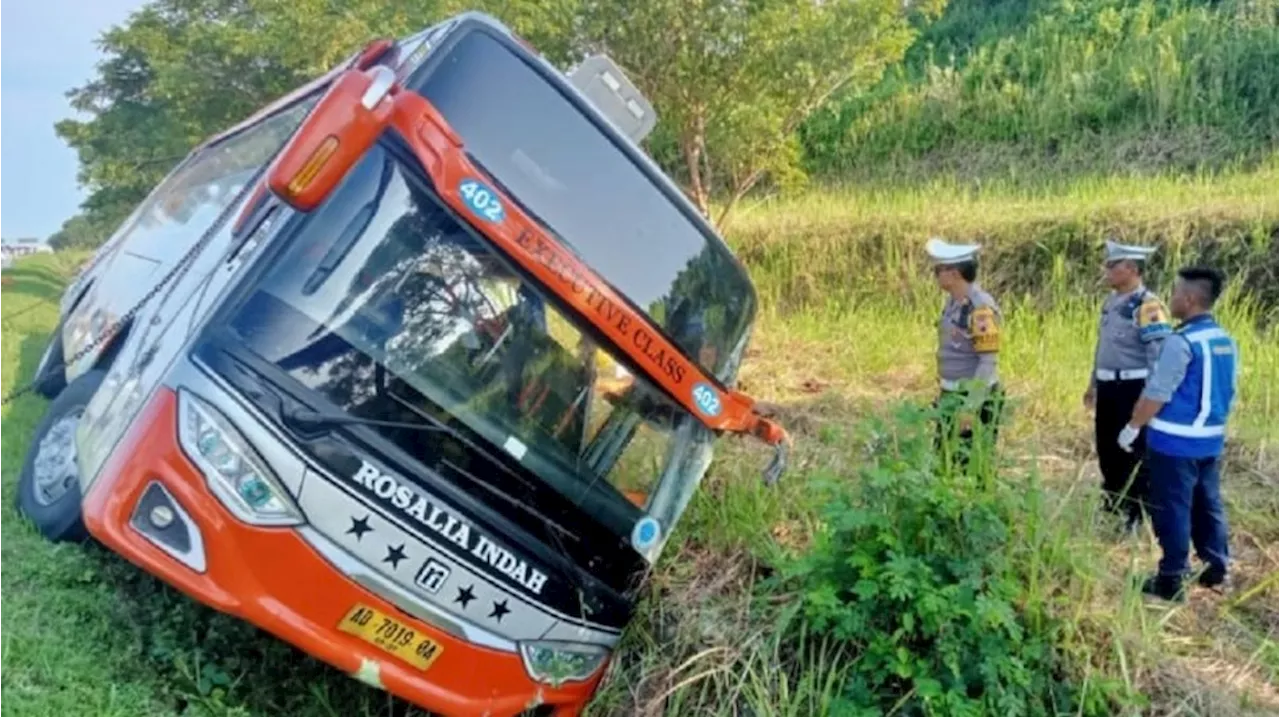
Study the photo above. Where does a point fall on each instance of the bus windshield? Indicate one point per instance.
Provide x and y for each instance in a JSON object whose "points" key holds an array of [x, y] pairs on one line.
{"points": [[553, 160], [383, 301]]}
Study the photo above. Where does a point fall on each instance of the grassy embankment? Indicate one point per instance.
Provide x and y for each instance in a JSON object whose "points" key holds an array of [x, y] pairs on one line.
{"points": [[845, 341], [1039, 90], [847, 337], [866, 578]]}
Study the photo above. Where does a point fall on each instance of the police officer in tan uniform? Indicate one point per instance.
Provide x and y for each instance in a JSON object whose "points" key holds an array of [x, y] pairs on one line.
{"points": [[970, 394], [1133, 324]]}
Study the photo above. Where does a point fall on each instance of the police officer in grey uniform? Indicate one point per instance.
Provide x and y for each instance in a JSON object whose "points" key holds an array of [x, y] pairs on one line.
{"points": [[970, 394], [1133, 324]]}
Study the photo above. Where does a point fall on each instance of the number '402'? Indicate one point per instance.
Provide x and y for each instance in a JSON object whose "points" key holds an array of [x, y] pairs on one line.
{"points": [[481, 199]]}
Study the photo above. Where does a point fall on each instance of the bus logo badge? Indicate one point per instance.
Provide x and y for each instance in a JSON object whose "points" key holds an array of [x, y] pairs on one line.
{"points": [[706, 399], [431, 575], [645, 534], [481, 200]]}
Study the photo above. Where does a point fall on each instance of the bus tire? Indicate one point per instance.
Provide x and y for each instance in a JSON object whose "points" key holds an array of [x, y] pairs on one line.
{"points": [[49, 485], [51, 374]]}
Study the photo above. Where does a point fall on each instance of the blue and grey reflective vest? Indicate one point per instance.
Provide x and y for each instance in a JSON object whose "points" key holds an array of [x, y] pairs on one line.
{"points": [[1193, 423]]}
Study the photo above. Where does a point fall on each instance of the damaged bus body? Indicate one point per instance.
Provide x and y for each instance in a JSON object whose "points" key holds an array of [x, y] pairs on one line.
{"points": [[416, 369]]}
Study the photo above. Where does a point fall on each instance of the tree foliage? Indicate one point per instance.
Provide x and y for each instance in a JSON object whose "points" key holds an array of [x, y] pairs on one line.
{"points": [[178, 71], [730, 80], [746, 91], [733, 80], [80, 232]]}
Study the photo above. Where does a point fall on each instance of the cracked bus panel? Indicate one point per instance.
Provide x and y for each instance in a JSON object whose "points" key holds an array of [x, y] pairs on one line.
{"points": [[437, 372]]}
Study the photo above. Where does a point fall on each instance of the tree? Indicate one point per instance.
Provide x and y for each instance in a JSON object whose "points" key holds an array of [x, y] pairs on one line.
{"points": [[179, 71], [733, 79], [79, 232]]}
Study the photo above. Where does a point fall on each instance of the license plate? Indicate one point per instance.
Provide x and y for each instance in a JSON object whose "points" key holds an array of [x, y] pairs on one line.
{"points": [[393, 636]]}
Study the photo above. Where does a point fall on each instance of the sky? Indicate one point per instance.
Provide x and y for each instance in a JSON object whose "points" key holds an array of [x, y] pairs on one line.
{"points": [[47, 47]]}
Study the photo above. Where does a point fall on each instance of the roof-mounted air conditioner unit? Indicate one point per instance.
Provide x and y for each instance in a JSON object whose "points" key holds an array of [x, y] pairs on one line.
{"points": [[604, 83]]}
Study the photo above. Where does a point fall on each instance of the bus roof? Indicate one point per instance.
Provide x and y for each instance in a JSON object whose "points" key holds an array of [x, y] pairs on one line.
{"points": [[591, 185]]}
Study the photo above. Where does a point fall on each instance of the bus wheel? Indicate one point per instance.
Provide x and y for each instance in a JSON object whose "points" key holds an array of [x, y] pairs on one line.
{"points": [[51, 375], [49, 485]]}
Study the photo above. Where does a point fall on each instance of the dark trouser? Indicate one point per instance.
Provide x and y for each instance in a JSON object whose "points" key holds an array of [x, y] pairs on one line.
{"points": [[1186, 509], [986, 426], [1124, 474]]}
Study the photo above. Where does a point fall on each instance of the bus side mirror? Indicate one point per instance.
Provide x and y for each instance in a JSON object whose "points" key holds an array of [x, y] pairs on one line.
{"points": [[373, 52], [342, 126]]}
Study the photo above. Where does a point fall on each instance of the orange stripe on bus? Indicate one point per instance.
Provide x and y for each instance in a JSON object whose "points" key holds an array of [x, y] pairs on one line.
{"points": [[560, 270]]}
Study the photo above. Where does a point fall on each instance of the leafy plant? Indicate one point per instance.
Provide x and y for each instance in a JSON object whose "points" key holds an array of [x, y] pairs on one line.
{"points": [[919, 568]]}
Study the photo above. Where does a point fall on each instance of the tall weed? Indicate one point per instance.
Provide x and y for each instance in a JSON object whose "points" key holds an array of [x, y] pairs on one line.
{"points": [[929, 575], [1087, 86]]}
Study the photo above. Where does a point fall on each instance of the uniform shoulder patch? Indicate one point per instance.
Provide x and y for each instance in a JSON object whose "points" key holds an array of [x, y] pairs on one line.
{"points": [[1128, 309], [1152, 318], [984, 328], [980, 297]]}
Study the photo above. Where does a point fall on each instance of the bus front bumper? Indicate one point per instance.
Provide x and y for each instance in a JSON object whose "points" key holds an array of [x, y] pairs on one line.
{"points": [[272, 578]]}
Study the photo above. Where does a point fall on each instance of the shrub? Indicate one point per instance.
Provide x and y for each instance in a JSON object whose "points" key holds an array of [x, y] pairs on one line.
{"points": [[919, 569]]}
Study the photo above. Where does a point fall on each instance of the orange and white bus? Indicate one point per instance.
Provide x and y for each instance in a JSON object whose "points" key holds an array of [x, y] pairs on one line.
{"points": [[416, 369]]}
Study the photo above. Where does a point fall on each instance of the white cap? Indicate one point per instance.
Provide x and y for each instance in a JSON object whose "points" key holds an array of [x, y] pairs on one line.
{"points": [[1117, 251], [947, 253]]}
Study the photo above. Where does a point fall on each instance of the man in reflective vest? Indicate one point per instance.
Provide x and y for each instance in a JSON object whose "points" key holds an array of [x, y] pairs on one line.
{"points": [[1184, 407]]}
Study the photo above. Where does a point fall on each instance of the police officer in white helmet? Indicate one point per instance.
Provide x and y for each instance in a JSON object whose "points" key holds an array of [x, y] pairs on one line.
{"points": [[970, 397], [1133, 324]]}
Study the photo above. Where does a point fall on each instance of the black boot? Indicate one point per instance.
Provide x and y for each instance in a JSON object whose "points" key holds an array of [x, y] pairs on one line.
{"points": [[1214, 579], [1165, 587]]}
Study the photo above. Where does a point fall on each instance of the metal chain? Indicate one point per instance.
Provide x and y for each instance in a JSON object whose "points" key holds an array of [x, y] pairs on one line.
{"points": [[177, 271]]}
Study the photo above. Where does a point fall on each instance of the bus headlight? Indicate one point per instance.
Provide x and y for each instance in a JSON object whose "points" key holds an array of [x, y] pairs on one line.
{"points": [[230, 465], [86, 328], [554, 663]]}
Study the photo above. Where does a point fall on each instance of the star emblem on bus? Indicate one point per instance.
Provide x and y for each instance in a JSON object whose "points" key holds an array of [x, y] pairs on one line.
{"points": [[395, 553], [500, 609], [465, 596], [359, 526]]}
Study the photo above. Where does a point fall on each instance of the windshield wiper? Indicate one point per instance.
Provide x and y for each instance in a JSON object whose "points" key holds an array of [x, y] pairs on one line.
{"points": [[305, 419]]}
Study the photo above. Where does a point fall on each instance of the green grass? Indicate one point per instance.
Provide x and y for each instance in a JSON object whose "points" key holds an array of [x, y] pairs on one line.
{"points": [[837, 347], [969, 207], [1047, 88]]}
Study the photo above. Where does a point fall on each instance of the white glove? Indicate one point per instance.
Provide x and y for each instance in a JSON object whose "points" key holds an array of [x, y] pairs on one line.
{"points": [[1128, 435]]}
